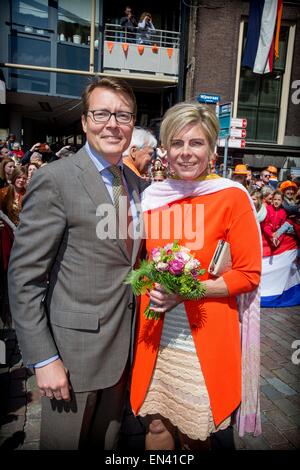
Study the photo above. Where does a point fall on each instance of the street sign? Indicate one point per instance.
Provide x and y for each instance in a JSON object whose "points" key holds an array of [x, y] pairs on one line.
{"points": [[239, 122], [208, 98], [233, 143], [224, 115], [236, 132]]}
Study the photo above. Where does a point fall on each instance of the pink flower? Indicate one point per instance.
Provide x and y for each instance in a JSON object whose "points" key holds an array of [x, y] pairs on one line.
{"points": [[156, 256], [176, 267]]}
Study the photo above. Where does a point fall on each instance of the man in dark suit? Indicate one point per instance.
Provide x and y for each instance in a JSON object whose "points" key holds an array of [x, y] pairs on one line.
{"points": [[73, 313]]}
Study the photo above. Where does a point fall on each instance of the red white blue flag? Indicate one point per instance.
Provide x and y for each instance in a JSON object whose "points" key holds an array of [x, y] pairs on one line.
{"points": [[259, 47]]}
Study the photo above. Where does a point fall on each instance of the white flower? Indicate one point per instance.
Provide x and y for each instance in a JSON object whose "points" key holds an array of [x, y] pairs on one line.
{"points": [[191, 265], [161, 266], [156, 257], [182, 256]]}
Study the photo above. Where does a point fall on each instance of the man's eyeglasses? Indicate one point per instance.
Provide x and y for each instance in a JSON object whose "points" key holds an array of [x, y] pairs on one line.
{"points": [[102, 115]]}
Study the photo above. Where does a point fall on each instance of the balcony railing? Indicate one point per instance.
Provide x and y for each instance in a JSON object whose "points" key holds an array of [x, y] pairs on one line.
{"points": [[151, 53]]}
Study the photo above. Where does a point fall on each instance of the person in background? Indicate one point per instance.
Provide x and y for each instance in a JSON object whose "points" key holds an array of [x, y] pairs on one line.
{"points": [[145, 28], [31, 169], [66, 151], [261, 211], [129, 23], [11, 198], [273, 181], [140, 152], [10, 141], [265, 178], [240, 174], [4, 152], [267, 195], [17, 151], [7, 167], [289, 190], [43, 149], [275, 218]]}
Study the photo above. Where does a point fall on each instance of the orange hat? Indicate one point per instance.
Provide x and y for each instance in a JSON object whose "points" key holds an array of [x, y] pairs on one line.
{"points": [[288, 184], [240, 170], [272, 169]]}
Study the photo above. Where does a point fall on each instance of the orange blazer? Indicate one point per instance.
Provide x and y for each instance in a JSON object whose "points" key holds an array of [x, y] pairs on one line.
{"points": [[214, 322]]}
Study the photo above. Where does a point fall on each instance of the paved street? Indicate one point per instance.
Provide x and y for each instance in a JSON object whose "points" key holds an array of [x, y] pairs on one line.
{"points": [[280, 390]]}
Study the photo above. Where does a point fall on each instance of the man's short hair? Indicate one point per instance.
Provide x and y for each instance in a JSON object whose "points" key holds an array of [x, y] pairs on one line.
{"points": [[115, 84]]}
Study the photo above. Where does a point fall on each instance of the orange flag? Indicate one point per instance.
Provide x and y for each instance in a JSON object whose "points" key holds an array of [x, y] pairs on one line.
{"points": [[125, 48], [110, 45], [141, 49], [279, 16], [155, 49], [170, 52]]}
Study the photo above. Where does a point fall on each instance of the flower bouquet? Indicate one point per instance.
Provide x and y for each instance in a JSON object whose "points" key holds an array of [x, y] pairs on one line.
{"points": [[174, 268]]}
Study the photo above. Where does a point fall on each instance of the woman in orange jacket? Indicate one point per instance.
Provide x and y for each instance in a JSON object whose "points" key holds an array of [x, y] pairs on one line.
{"points": [[189, 371]]}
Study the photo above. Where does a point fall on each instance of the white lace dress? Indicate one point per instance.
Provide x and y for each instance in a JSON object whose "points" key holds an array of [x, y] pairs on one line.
{"points": [[177, 389]]}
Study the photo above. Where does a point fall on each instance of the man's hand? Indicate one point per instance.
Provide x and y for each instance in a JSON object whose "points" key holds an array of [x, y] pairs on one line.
{"points": [[52, 381], [162, 301]]}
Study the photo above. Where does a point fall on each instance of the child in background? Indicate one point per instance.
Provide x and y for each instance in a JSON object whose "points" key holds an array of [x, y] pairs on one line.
{"points": [[275, 218], [267, 195], [261, 211]]}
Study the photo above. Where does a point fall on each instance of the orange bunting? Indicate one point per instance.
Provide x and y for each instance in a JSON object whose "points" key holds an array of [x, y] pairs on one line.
{"points": [[170, 52], [154, 49], [141, 49], [125, 47], [110, 45]]}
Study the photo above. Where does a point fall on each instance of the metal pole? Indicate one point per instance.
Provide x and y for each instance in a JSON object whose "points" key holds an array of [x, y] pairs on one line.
{"points": [[92, 36], [225, 156], [85, 72]]}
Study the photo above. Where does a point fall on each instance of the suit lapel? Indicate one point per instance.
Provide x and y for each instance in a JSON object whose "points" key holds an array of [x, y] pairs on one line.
{"points": [[93, 184]]}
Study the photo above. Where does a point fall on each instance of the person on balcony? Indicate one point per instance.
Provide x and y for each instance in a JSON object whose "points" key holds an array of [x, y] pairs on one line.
{"points": [[129, 23], [145, 28]]}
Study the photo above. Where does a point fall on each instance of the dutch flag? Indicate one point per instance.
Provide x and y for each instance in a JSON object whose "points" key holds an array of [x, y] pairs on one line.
{"points": [[280, 280], [259, 47]]}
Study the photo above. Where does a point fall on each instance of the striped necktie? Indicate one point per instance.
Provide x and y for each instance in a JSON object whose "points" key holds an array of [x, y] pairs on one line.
{"points": [[118, 189]]}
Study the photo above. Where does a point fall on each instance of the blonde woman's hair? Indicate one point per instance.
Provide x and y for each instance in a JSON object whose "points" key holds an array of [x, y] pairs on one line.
{"points": [[182, 114]]}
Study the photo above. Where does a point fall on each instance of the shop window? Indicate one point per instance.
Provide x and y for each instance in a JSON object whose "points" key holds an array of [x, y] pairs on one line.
{"points": [[29, 14], [74, 20]]}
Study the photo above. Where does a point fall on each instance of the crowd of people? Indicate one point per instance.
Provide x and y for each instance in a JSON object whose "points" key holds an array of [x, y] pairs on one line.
{"points": [[277, 205], [195, 370]]}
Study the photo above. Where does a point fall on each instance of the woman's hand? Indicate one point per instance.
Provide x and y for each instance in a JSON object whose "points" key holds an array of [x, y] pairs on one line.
{"points": [[161, 301]]}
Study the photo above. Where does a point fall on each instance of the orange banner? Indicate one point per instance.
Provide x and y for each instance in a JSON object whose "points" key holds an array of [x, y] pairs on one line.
{"points": [[125, 47], [170, 52], [154, 49], [110, 45], [141, 49]]}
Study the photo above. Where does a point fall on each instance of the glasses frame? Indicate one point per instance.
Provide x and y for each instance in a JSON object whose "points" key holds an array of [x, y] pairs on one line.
{"points": [[92, 111]]}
